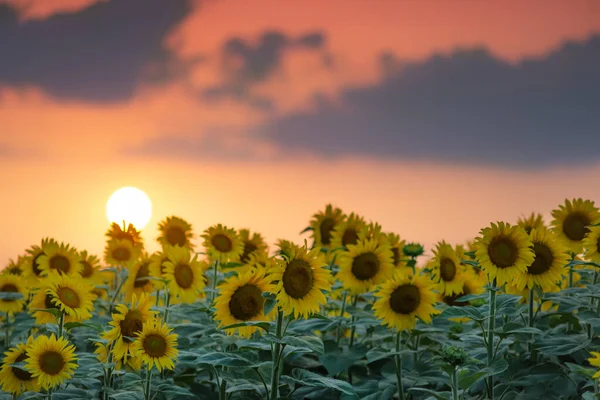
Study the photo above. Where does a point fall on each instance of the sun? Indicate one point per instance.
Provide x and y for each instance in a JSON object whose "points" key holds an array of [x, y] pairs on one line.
{"points": [[131, 205]]}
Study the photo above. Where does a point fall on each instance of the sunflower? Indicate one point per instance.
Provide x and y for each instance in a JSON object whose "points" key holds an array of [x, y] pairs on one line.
{"points": [[59, 259], [472, 284], [51, 360], [16, 380], [91, 268], [15, 267], [252, 244], [156, 345], [404, 299], [126, 323], [32, 267], [240, 300], [300, 281], [12, 286], [138, 281], [447, 270], [533, 221], [175, 231], [43, 301], [323, 223], [102, 351], [365, 265], [591, 244], [222, 243], [285, 247], [595, 361], [504, 251], [157, 268], [121, 252], [184, 273], [71, 295], [571, 221], [348, 232], [396, 245], [257, 261], [131, 234]]}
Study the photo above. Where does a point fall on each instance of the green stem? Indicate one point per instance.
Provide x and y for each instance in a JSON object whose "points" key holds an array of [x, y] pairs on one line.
{"points": [[214, 281], [276, 358], [157, 297], [61, 324], [343, 310], [490, 332], [531, 322], [223, 390], [455, 384], [49, 394], [167, 304], [570, 277], [262, 379], [7, 333], [117, 291], [398, 364], [353, 330], [147, 385]]}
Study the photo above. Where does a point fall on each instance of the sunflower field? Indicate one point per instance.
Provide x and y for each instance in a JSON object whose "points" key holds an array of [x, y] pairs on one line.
{"points": [[352, 313]]}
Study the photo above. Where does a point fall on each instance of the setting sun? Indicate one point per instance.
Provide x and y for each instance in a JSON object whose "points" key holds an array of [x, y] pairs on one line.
{"points": [[131, 205]]}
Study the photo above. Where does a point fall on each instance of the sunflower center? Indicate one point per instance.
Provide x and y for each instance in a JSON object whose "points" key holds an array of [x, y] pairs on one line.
{"points": [[405, 299], [503, 252], [21, 374], [249, 248], [60, 263], [131, 324], [365, 266], [447, 269], [35, 265], [141, 278], [176, 236], [396, 254], [121, 254], [69, 297], [542, 261], [51, 362], [325, 229], [298, 278], [574, 226], [9, 287], [49, 304], [350, 236], [155, 346], [184, 276], [246, 302], [222, 243], [88, 270]]}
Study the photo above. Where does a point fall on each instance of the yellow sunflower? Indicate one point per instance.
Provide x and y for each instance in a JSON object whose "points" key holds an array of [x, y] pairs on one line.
{"points": [[131, 234], [253, 244], [12, 286], [59, 259], [472, 284], [323, 223], [102, 352], [32, 266], [71, 295], [571, 220], [222, 243], [348, 232], [591, 244], [175, 231], [91, 268], [396, 245], [257, 261], [120, 252], [157, 268], [447, 269], [51, 360], [504, 252], [126, 323], [16, 380], [404, 299], [156, 345], [184, 273], [533, 221], [240, 300], [138, 281], [364, 265], [300, 280], [15, 267], [285, 247], [595, 361]]}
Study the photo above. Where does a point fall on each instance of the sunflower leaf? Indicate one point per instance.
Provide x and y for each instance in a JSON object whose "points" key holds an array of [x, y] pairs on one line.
{"points": [[308, 378], [259, 324], [71, 325]]}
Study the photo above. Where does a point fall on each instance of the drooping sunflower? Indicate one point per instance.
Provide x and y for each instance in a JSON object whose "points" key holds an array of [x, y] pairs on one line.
{"points": [[17, 380], [504, 251], [365, 265], [591, 244], [32, 266], [323, 223], [175, 231], [15, 267], [71, 295], [533, 221], [126, 323], [51, 360], [222, 243], [240, 300], [121, 252], [184, 273], [155, 345], [59, 259], [91, 268], [571, 220], [300, 280], [14, 287], [548, 266], [254, 243], [131, 234], [404, 299], [138, 281], [447, 270], [348, 232]]}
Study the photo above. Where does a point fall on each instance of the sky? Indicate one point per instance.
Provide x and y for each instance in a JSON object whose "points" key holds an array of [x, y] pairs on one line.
{"points": [[433, 118]]}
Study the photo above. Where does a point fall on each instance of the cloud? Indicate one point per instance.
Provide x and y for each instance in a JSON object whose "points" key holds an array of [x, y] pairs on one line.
{"points": [[465, 107], [98, 53]]}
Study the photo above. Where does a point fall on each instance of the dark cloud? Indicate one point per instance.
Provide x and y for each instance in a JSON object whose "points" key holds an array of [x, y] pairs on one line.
{"points": [[96, 54], [466, 107]]}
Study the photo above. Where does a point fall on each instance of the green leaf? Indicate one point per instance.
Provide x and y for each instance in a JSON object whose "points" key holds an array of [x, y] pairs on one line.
{"points": [[467, 379], [381, 354], [557, 345], [260, 324], [70, 325], [310, 343], [270, 302], [578, 369], [11, 296], [174, 391], [437, 395], [225, 359], [314, 380]]}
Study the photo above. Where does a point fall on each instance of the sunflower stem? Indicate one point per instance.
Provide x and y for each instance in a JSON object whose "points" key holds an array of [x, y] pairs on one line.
{"points": [[455, 383], [61, 324], [167, 305], [490, 334], [223, 390], [353, 331], [276, 358], [398, 364], [117, 291], [49, 394], [7, 333], [214, 280], [342, 311], [531, 321], [147, 385]]}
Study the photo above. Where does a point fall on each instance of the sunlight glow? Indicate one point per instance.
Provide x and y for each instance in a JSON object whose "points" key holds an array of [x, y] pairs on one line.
{"points": [[131, 205]]}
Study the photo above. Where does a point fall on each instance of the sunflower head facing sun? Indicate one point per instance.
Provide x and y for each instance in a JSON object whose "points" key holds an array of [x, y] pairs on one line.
{"points": [[175, 231], [364, 266], [17, 380], [51, 360], [59, 259], [120, 252], [131, 234], [222, 243], [184, 273], [155, 345], [323, 224], [571, 221]]}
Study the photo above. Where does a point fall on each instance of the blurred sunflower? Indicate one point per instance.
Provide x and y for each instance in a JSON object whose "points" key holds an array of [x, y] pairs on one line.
{"points": [[90, 268], [396, 246], [155, 345], [222, 243], [15, 267], [285, 247], [571, 220], [51, 360], [59, 259], [184, 273], [138, 281], [447, 270], [591, 244], [157, 268], [32, 267], [404, 299], [17, 380], [471, 285], [257, 262], [14, 287], [504, 252], [533, 221], [365, 265], [175, 231], [120, 252], [240, 300], [300, 280], [71, 295], [348, 232], [595, 361], [43, 301], [323, 223], [131, 234], [254, 244], [102, 351]]}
